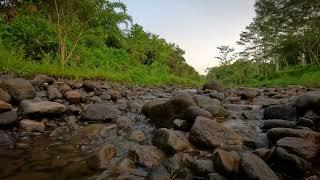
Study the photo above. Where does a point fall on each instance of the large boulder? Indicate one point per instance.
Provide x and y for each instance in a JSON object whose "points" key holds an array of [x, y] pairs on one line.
{"points": [[18, 88], [207, 133], [4, 96], [278, 111], [35, 107], [170, 141], [163, 112], [308, 101], [253, 168], [288, 163], [146, 156], [213, 85], [301, 147], [8, 118], [101, 112]]}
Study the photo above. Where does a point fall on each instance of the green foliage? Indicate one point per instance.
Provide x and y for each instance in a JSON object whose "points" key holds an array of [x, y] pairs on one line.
{"points": [[32, 34]]}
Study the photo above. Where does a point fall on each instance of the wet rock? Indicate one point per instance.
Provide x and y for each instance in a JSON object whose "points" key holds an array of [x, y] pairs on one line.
{"points": [[278, 133], [280, 112], [215, 176], [101, 112], [308, 101], [8, 118], [137, 136], [53, 93], [170, 141], [282, 160], [201, 167], [213, 85], [19, 89], [4, 96], [102, 158], [277, 123], [146, 156], [35, 107], [74, 97], [4, 106], [208, 133], [218, 111], [30, 125], [252, 168], [301, 147], [226, 163]]}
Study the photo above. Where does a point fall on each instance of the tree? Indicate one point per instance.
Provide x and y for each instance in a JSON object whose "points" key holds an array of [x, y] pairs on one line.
{"points": [[226, 56]]}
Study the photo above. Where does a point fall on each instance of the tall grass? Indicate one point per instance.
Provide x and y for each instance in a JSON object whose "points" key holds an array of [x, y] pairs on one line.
{"points": [[99, 64]]}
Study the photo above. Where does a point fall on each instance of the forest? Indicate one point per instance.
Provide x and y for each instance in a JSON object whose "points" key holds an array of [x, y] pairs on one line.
{"points": [[87, 39], [280, 46]]}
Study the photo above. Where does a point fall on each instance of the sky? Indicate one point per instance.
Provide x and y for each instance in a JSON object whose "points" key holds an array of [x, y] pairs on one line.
{"points": [[197, 26]]}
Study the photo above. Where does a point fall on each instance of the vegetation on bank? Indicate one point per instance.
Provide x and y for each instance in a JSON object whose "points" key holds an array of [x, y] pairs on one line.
{"points": [[281, 47], [87, 39]]}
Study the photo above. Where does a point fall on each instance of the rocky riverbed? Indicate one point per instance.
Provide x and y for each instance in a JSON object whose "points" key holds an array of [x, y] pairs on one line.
{"points": [[64, 129]]}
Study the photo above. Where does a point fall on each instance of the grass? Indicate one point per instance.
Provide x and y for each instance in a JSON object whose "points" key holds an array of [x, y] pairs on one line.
{"points": [[155, 75]]}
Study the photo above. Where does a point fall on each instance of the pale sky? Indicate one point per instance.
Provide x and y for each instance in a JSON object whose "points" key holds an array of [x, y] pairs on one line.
{"points": [[197, 26]]}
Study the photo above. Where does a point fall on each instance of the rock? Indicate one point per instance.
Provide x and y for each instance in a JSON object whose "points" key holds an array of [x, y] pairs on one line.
{"points": [[218, 111], [182, 125], [4, 96], [208, 133], [193, 112], [34, 107], [8, 118], [30, 125], [282, 160], [278, 133], [162, 113], [170, 141], [123, 122], [308, 101], [217, 95], [4, 106], [102, 158], [263, 153], [213, 85], [115, 95], [205, 101], [146, 156], [300, 147], [53, 93], [40, 79], [74, 97], [63, 88], [315, 177], [215, 176], [137, 136], [280, 112], [201, 167], [6, 140], [253, 168], [277, 123], [19, 89], [249, 94], [101, 112], [226, 163], [305, 122]]}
